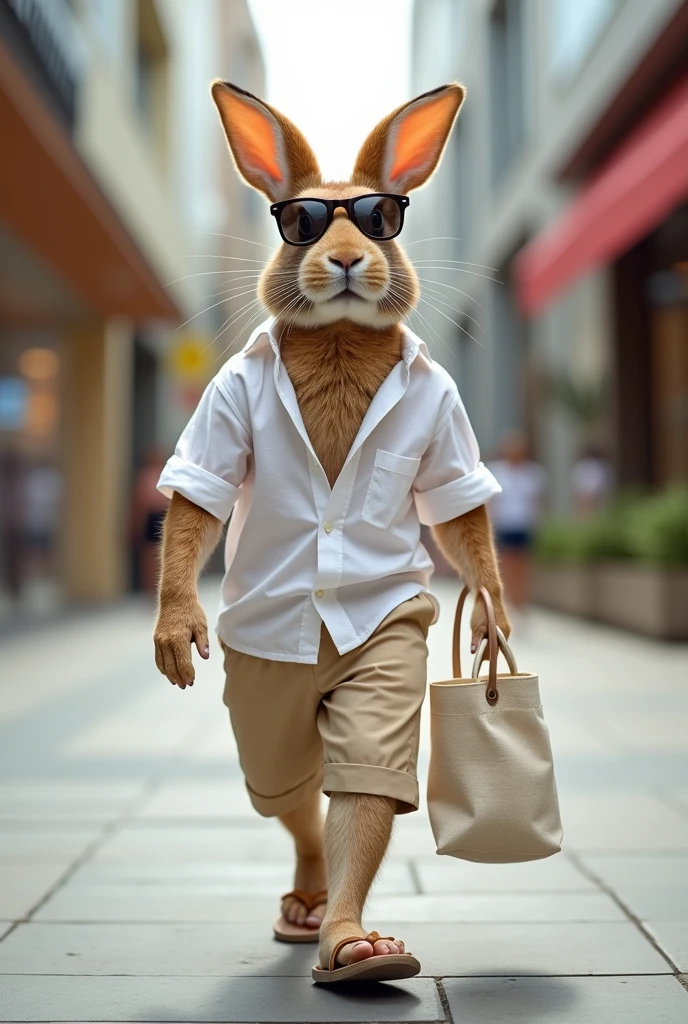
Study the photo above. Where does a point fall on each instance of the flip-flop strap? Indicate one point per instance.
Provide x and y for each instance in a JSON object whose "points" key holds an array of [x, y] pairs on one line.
{"points": [[309, 900], [371, 937]]}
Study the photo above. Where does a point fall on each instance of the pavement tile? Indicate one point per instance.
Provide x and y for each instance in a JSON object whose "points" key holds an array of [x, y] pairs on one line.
{"points": [[672, 936], [678, 798], [557, 906], [5, 927], [23, 885], [219, 949], [567, 1000], [260, 877], [622, 822], [645, 870], [447, 874], [44, 845], [561, 948], [207, 799], [217, 1000], [646, 728], [159, 843], [207, 949], [113, 903], [667, 904], [73, 799]]}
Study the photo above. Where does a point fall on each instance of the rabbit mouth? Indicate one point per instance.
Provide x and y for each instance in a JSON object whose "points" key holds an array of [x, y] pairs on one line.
{"points": [[347, 293]]}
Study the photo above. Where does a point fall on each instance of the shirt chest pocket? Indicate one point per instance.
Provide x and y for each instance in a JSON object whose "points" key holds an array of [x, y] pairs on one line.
{"points": [[390, 483]]}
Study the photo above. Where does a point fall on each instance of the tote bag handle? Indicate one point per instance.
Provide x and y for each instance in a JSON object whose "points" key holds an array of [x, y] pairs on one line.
{"points": [[495, 641]]}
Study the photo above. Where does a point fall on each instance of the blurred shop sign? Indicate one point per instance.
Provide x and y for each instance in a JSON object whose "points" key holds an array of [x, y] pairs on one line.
{"points": [[190, 358], [45, 36], [13, 403], [190, 366]]}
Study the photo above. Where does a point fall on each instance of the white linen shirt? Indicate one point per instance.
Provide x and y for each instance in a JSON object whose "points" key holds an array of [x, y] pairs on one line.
{"points": [[298, 552]]}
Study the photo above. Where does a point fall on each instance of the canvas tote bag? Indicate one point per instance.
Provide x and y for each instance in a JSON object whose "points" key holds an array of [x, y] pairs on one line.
{"points": [[491, 790]]}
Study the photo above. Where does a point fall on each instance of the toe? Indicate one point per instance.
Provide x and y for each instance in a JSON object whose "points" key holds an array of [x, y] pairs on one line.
{"points": [[386, 947], [359, 951], [313, 921], [292, 911]]}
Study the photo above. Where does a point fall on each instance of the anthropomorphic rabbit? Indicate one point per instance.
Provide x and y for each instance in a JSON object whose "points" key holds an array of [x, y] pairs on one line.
{"points": [[333, 435]]}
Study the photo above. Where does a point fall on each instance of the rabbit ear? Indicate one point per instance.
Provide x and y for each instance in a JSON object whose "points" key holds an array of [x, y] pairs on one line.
{"points": [[402, 152], [269, 151]]}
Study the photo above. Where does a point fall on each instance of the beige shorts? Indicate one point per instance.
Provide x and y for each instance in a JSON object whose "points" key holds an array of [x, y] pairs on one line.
{"points": [[346, 725]]}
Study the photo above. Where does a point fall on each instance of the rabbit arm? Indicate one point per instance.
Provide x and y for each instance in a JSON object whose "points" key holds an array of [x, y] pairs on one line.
{"points": [[189, 537], [466, 542]]}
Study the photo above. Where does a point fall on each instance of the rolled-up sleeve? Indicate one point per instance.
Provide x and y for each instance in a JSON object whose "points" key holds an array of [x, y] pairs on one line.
{"points": [[211, 458], [452, 480]]}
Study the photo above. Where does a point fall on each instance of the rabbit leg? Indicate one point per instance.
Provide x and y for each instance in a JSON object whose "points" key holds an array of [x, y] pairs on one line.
{"points": [[357, 833], [306, 827], [467, 544]]}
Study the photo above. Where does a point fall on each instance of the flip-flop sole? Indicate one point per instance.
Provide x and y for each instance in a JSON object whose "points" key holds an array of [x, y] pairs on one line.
{"points": [[287, 931], [392, 967]]}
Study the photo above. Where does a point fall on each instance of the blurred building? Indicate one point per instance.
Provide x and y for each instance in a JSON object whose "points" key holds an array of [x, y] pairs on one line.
{"points": [[566, 182], [111, 191]]}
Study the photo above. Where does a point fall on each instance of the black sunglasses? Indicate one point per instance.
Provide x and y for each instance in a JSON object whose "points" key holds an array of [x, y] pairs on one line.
{"points": [[379, 215]]}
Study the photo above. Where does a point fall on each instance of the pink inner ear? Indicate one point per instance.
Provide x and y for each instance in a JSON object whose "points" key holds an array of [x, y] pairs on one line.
{"points": [[254, 138], [420, 137]]}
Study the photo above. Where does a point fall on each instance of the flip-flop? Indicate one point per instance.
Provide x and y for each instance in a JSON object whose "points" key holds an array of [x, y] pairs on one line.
{"points": [[392, 967], [288, 931]]}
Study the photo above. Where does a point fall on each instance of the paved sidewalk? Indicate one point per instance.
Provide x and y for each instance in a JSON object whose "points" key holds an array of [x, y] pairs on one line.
{"points": [[136, 883]]}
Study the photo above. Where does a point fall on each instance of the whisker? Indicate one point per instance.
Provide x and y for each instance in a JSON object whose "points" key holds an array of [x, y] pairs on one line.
{"points": [[459, 270], [460, 263], [244, 327], [438, 298], [225, 327], [233, 318], [236, 238], [435, 238], [424, 321], [206, 273], [216, 256], [443, 284], [462, 329], [226, 291], [207, 309]]}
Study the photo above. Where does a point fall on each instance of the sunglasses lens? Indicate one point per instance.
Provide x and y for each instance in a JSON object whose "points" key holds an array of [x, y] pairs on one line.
{"points": [[303, 222], [378, 216]]}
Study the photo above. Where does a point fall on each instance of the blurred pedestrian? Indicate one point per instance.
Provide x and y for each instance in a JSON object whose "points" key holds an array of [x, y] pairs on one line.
{"points": [[149, 507], [516, 512], [592, 482]]}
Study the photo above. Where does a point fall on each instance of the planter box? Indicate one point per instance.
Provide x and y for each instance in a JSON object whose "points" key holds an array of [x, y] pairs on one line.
{"points": [[568, 588], [645, 599]]}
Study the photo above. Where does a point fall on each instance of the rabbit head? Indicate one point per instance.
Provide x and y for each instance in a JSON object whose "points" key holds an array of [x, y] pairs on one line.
{"points": [[344, 275]]}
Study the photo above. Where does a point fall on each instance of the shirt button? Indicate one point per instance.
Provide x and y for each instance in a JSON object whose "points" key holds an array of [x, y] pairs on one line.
{"points": [[319, 593], [328, 527]]}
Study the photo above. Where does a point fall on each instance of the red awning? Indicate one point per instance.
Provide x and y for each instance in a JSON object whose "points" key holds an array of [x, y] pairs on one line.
{"points": [[639, 185]]}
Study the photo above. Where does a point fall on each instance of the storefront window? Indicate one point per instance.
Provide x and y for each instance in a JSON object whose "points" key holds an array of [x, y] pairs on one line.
{"points": [[576, 26], [31, 480]]}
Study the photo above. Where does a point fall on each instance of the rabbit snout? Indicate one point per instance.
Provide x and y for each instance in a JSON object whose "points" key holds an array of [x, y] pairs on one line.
{"points": [[343, 262]]}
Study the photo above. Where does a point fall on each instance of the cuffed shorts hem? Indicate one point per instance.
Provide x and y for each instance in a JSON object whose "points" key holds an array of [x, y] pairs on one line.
{"points": [[375, 780], [272, 806]]}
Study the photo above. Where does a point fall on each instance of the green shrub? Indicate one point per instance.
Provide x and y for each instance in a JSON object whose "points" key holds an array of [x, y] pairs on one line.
{"points": [[658, 528], [590, 540], [649, 528]]}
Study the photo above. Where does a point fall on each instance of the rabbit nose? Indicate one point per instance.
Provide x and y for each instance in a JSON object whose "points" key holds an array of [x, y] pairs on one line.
{"points": [[345, 262]]}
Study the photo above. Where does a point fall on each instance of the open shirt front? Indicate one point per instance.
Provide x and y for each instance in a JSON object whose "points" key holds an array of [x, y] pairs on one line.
{"points": [[299, 552]]}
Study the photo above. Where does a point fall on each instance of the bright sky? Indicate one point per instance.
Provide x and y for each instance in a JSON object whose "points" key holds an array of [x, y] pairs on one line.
{"points": [[335, 69]]}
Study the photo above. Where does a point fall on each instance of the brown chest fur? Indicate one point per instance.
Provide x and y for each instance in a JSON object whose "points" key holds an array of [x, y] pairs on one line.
{"points": [[336, 371]]}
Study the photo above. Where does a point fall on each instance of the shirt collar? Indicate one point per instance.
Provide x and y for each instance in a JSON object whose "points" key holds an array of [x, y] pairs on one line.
{"points": [[411, 344]]}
